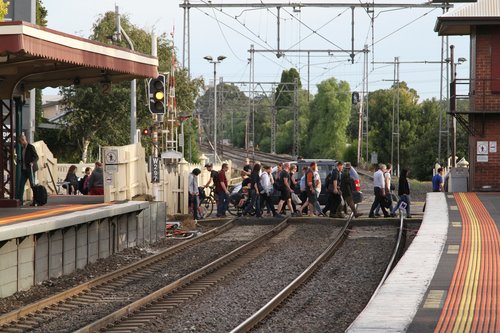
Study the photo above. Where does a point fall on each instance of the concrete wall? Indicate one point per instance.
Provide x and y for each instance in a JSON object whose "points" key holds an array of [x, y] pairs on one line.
{"points": [[31, 259]]}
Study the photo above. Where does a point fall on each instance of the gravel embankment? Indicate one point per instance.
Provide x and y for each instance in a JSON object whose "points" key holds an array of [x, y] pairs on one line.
{"points": [[357, 268], [339, 291], [168, 271]]}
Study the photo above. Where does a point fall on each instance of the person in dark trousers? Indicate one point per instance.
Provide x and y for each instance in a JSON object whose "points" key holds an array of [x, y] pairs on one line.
{"points": [[336, 208], [194, 195], [29, 166], [96, 180], [222, 191], [403, 192], [379, 191], [255, 189], [346, 186]]}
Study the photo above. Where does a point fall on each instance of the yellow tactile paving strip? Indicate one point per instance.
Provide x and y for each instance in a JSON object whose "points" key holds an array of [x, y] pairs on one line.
{"points": [[48, 212], [471, 302]]}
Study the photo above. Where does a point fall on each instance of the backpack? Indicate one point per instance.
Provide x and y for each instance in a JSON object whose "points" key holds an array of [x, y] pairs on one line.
{"points": [[328, 182], [215, 177]]}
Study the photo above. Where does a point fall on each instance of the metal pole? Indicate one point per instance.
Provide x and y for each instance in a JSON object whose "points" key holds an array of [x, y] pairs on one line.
{"points": [[393, 113], [133, 83], [308, 73], [453, 107], [215, 111], [397, 119], [367, 103]]}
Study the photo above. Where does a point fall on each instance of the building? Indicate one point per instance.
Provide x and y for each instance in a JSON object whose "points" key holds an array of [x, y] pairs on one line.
{"points": [[481, 21]]}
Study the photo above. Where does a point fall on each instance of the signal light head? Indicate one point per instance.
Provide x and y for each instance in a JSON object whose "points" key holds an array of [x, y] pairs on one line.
{"points": [[159, 95], [145, 131]]}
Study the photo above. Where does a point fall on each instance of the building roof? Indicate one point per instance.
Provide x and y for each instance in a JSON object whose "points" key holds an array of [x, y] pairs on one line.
{"points": [[36, 57], [460, 20]]}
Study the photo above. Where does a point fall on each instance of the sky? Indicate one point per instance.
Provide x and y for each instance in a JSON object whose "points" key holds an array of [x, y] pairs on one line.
{"points": [[404, 33]]}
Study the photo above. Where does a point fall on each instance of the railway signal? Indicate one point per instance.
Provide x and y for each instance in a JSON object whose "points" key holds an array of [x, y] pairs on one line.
{"points": [[157, 95]]}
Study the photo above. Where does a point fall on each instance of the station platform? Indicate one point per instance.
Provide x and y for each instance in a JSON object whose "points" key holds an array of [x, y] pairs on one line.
{"points": [[39, 243], [448, 279]]}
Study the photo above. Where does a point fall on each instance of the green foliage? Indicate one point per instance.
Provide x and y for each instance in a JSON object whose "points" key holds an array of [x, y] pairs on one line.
{"points": [[328, 120], [284, 91], [4, 6], [97, 119], [41, 14], [351, 153]]}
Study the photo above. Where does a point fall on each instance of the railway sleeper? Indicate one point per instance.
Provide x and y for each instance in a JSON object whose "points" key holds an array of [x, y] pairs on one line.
{"points": [[11, 330]]}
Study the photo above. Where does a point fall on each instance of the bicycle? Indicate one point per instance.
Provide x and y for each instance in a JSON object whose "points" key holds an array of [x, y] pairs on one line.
{"points": [[207, 202]]}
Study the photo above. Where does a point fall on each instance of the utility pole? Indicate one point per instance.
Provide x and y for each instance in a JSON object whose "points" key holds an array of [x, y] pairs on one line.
{"points": [[133, 84]]}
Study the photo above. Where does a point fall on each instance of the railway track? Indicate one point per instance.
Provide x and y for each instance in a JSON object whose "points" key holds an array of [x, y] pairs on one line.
{"points": [[141, 312], [290, 291], [96, 290], [239, 155]]}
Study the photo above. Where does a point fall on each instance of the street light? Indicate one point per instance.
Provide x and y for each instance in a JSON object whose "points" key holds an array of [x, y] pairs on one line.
{"points": [[215, 62]]}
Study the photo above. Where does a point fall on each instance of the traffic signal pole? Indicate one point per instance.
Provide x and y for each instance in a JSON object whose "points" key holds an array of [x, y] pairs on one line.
{"points": [[155, 185], [133, 84]]}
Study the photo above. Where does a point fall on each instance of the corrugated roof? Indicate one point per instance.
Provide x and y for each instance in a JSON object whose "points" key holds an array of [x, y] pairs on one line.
{"points": [[460, 20], [481, 8]]}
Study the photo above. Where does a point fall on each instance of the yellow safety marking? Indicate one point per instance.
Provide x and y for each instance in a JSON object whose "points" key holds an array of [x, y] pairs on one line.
{"points": [[453, 249], [453, 207], [450, 196], [466, 308], [435, 299], [456, 224]]}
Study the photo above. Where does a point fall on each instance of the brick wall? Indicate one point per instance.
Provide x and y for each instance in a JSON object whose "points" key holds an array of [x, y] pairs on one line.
{"points": [[486, 66]]}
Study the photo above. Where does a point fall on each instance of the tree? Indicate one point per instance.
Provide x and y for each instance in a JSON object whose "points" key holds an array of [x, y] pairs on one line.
{"points": [[90, 109], [4, 6], [328, 119]]}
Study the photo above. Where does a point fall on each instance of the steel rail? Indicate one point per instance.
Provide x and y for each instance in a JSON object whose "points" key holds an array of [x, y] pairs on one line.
{"points": [[267, 309], [139, 313], [29, 312], [397, 250]]}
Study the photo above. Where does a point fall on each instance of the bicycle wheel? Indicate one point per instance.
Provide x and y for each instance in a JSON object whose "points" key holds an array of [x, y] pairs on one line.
{"points": [[206, 207], [233, 208]]}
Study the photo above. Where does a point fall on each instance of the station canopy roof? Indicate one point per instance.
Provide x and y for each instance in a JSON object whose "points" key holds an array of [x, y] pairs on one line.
{"points": [[460, 20], [36, 57]]}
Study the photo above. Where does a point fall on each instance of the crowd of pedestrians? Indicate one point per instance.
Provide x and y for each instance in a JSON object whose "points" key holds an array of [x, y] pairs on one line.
{"points": [[262, 188]]}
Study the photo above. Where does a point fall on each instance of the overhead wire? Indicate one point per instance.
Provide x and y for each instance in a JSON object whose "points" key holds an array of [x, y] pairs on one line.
{"points": [[224, 36]]}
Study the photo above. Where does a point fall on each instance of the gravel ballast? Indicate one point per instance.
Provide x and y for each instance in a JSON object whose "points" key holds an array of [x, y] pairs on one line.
{"points": [[238, 296]]}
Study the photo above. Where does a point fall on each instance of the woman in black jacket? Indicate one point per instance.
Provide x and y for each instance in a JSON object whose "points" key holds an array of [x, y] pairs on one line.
{"points": [[403, 192]]}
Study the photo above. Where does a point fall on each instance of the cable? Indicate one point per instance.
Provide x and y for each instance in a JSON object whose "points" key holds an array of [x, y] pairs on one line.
{"points": [[321, 27], [315, 32], [404, 26], [224, 35]]}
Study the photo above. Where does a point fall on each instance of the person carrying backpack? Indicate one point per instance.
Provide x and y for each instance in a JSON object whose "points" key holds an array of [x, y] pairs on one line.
{"points": [[346, 187]]}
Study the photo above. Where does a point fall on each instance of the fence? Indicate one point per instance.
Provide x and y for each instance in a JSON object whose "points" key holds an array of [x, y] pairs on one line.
{"points": [[126, 175]]}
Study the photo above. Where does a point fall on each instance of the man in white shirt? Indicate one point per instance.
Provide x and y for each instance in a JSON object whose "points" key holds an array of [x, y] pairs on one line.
{"points": [[379, 190]]}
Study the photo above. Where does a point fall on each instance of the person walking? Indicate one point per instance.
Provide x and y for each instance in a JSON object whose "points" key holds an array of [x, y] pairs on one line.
{"points": [[438, 181], [346, 187], [310, 190], [29, 166], [388, 189], [194, 194], [336, 208], [255, 190], [403, 193], [266, 181], [222, 191], [213, 175], [285, 189], [379, 191]]}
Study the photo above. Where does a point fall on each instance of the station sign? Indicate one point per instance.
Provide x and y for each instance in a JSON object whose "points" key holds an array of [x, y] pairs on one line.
{"points": [[155, 169]]}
